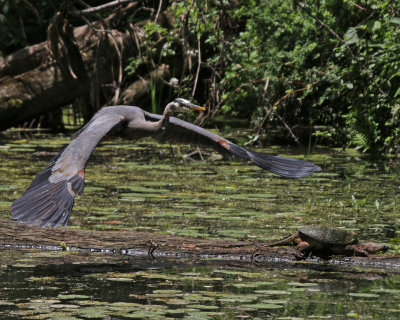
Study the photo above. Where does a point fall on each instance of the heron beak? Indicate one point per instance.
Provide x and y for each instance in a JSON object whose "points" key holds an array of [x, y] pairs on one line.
{"points": [[195, 108]]}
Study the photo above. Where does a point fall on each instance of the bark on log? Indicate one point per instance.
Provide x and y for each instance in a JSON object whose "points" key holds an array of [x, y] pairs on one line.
{"points": [[29, 94], [46, 76], [139, 90], [24, 60], [15, 235], [48, 86]]}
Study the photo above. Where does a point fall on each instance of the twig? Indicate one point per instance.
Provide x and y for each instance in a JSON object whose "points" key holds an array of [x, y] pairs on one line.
{"points": [[358, 6], [33, 9], [120, 71], [265, 119], [92, 10], [266, 85], [269, 111], [183, 27], [158, 11], [198, 64], [275, 106], [287, 127], [99, 17], [21, 22]]}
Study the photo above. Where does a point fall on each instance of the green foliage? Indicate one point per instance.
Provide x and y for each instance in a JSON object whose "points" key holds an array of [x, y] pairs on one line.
{"points": [[150, 51], [333, 64], [369, 81], [329, 63]]}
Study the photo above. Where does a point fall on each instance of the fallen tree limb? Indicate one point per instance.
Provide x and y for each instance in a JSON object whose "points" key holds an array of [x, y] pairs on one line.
{"points": [[70, 65], [136, 243], [23, 60], [139, 90], [47, 87]]}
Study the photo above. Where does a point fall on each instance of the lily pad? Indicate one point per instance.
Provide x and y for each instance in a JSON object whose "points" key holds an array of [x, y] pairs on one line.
{"points": [[269, 306], [363, 295], [272, 292]]}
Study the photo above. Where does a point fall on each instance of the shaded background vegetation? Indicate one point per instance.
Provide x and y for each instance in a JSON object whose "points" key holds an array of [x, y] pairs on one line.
{"points": [[319, 71]]}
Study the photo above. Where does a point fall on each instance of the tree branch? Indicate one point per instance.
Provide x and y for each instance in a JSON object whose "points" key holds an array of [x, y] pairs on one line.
{"points": [[92, 10]]}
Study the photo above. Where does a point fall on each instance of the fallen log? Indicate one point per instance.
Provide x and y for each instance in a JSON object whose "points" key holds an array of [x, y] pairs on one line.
{"points": [[23, 60], [139, 91], [139, 243], [72, 64], [48, 86]]}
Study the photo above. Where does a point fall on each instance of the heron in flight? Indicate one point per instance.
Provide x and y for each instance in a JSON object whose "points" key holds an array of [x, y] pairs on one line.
{"points": [[50, 197]]}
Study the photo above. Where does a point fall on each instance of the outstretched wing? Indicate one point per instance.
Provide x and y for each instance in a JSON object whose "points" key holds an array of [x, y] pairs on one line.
{"points": [[179, 131], [50, 197]]}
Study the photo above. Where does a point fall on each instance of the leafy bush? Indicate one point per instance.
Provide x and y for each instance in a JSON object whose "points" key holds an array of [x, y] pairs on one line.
{"points": [[330, 63], [327, 64]]}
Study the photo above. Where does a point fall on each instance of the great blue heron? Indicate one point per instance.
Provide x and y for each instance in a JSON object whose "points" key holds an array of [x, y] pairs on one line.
{"points": [[50, 197]]}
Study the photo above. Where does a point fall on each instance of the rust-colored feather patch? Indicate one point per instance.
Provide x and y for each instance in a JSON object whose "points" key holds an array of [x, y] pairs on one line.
{"points": [[224, 143], [81, 172]]}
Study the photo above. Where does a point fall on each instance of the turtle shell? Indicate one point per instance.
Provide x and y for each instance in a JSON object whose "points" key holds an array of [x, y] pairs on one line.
{"points": [[328, 236]]}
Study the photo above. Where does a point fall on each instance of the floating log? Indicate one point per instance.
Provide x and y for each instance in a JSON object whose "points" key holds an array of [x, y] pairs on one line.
{"points": [[140, 243]]}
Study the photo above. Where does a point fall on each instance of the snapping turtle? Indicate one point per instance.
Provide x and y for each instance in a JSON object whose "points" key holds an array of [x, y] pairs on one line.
{"points": [[325, 240]]}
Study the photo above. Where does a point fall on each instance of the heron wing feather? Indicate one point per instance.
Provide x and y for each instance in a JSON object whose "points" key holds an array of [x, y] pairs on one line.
{"points": [[179, 131], [50, 197]]}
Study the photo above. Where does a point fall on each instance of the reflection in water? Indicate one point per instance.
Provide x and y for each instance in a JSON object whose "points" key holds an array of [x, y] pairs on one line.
{"points": [[55, 284], [59, 285], [147, 187]]}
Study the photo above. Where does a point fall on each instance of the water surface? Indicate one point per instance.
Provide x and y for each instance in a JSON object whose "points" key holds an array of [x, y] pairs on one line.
{"points": [[147, 186]]}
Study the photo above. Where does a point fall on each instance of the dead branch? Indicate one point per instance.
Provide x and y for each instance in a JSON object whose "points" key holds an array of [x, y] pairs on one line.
{"points": [[92, 10]]}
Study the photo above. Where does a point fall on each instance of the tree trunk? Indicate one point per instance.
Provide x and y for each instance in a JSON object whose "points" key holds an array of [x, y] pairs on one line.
{"points": [[139, 91], [83, 62], [48, 87], [34, 92]]}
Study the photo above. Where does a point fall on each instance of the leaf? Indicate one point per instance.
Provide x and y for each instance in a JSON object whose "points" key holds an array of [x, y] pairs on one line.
{"points": [[377, 25], [351, 36], [395, 20]]}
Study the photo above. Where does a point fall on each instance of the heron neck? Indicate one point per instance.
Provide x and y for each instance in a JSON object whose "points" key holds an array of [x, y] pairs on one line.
{"points": [[160, 124]]}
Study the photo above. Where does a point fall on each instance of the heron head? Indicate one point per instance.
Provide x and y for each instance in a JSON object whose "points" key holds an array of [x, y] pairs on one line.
{"points": [[181, 104]]}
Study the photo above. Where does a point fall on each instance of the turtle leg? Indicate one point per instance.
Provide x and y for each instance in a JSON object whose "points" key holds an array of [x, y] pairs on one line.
{"points": [[355, 250], [302, 250], [372, 247]]}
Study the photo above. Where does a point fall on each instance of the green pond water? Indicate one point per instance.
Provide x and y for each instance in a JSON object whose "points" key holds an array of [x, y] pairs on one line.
{"points": [[147, 186]]}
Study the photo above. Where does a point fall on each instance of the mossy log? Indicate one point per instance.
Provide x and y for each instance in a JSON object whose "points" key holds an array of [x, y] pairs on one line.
{"points": [[137, 243]]}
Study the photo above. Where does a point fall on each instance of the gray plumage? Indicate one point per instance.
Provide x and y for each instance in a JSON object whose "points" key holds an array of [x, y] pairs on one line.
{"points": [[50, 197]]}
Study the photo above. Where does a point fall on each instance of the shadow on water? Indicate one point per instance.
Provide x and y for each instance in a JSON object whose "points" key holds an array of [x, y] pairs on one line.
{"points": [[149, 187]]}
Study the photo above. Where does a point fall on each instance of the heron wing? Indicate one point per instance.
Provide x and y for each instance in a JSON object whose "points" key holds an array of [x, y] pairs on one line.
{"points": [[179, 131], [50, 197]]}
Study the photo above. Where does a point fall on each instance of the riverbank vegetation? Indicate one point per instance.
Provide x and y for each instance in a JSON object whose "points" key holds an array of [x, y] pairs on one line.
{"points": [[320, 72]]}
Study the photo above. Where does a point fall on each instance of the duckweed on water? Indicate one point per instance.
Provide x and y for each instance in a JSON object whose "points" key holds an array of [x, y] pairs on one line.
{"points": [[142, 289], [146, 187]]}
